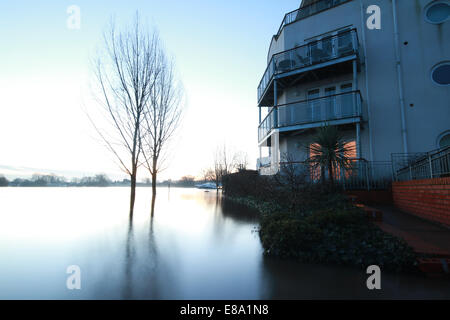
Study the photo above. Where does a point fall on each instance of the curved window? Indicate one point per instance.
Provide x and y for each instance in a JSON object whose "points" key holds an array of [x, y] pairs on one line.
{"points": [[437, 11], [441, 74], [444, 141]]}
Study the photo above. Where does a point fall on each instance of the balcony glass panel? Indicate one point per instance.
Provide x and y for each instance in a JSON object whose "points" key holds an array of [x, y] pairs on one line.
{"points": [[266, 125], [327, 49], [306, 11], [333, 107]]}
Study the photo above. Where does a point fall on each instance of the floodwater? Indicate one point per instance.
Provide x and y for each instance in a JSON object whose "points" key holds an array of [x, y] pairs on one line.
{"points": [[197, 246]]}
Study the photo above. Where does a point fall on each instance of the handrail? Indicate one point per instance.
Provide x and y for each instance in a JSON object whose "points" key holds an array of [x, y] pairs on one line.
{"points": [[429, 153], [348, 159], [319, 98], [360, 174], [304, 9], [409, 166], [318, 111], [265, 117], [309, 100]]}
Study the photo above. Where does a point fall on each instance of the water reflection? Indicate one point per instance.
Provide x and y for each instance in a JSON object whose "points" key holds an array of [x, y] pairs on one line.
{"points": [[152, 262], [129, 259], [197, 245], [238, 212]]}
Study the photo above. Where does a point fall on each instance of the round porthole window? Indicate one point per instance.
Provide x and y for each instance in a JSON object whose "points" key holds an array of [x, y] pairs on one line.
{"points": [[437, 11], [440, 74], [444, 141]]}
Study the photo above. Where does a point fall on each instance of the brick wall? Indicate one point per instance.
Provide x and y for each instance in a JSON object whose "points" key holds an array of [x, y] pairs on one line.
{"points": [[428, 198]]}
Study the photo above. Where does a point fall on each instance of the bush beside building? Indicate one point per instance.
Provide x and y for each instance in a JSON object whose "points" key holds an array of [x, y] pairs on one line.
{"points": [[315, 223]]}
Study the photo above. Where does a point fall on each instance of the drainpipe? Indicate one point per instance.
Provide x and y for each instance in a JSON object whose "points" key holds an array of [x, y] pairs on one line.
{"points": [[369, 116], [399, 76]]}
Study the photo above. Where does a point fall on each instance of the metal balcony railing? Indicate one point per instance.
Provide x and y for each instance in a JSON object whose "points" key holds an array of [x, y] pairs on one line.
{"points": [[424, 165], [316, 52], [266, 125], [359, 174], [307, 11], [333, 107]]}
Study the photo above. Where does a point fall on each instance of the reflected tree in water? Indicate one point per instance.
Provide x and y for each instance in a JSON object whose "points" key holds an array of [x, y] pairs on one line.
{"points": [[129, 259]]}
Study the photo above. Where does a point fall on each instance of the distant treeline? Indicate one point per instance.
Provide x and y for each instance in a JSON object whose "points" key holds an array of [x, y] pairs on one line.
{"points": [[99, 180], [51, 180]]}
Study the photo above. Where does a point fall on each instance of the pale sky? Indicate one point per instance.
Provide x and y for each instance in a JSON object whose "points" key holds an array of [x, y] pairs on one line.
{"points": [[220, 50]]}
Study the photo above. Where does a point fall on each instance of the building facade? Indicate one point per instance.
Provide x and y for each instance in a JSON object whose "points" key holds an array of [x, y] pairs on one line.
{"points": [[387, 88]]}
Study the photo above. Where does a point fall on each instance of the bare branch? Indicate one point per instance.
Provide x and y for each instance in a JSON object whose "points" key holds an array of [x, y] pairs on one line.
{"points": [[126, 72]]}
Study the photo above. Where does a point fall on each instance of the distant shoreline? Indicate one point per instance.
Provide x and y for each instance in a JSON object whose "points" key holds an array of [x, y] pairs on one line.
{"points": [[112, 186]]}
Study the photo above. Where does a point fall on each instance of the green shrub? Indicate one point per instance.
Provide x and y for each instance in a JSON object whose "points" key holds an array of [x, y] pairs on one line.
{"points": [[289, 237], [339, 237], [315, 223]]}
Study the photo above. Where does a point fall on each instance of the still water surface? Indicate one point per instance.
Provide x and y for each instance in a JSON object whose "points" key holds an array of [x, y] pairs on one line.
{"points": [[198, 246]]}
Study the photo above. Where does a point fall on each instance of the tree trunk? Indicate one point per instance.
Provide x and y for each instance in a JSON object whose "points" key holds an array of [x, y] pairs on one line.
{"points": [[322, 174], [132, 194], [330, 172], [153, 192]]}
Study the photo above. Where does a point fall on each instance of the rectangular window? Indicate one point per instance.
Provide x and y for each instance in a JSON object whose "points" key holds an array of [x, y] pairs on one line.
{"points": [[314, 105], [330, 103]]}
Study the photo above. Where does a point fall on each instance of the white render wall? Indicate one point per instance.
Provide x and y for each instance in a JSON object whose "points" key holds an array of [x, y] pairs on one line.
{"points": [[427, 45]]}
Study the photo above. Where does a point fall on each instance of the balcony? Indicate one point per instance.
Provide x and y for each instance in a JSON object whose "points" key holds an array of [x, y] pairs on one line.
{"points": [[307, 11], [327, 51], [337, 109]]}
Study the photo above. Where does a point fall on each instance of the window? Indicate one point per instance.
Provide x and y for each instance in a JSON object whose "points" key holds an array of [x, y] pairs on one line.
{"points": [[440, 74], [330, 103], [330, 91], [444, 140], [437, 11], [314, 105]]}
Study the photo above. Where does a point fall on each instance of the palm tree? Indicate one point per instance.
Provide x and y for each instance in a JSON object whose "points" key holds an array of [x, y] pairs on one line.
{"points": [[329, 150]]}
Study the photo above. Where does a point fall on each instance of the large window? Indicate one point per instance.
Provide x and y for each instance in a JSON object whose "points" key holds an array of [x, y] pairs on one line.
{"points": [[440, 74], [444, 141], [437, 11]]}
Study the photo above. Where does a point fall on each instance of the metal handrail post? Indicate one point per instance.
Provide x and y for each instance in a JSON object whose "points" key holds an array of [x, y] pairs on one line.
{"points": [[367, 177], [431, 166]]}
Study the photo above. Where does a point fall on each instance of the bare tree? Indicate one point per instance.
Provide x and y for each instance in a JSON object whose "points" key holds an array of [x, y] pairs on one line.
{"points": [[240, 161], [208, 175], [163, 112], [223, 164], [292, 177], [126, 70], [292, 174]]}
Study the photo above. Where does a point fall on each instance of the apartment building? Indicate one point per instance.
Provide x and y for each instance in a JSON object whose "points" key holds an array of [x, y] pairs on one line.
{"points": [[387, 89]]}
